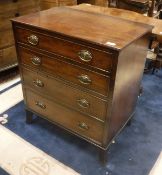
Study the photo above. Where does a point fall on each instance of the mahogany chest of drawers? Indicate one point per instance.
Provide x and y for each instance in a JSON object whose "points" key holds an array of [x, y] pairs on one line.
{"points": [[81, 70], [8, 10]]}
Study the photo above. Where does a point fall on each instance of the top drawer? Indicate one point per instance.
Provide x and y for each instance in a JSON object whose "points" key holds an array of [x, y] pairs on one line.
{"points": [[79, 53]]}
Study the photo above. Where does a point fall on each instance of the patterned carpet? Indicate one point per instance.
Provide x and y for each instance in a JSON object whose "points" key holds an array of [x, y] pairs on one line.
{"points": [[134, 153], [20, 157]]}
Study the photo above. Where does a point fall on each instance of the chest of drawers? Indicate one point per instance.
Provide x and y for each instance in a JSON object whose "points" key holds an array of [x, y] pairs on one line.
{"points": [[8, 10], [81, 70]]}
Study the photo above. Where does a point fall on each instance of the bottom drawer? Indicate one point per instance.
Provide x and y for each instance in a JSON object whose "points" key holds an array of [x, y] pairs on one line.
{"points": [[69, 119]]}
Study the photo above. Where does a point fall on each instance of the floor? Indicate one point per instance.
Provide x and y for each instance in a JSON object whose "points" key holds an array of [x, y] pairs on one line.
{"points": [[134, 152], [33, 162]]}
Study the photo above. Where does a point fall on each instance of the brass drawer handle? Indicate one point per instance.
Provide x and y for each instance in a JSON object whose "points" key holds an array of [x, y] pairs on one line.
{"points": [[38, 83], [33, 40], [83, 103], [36, 61], [40, 104], [83, 125], [84, 79], [85, 55]]}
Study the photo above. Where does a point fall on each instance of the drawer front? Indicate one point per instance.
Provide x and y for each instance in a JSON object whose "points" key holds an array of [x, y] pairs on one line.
{"points": [[46, 5], [18, 10], [7, 57], [74, 121], [5, 22], [66, 71], [6, 38], [9, 5], [67, 2], [57, 90], [28, 3], [78, 53], [27, 10]]}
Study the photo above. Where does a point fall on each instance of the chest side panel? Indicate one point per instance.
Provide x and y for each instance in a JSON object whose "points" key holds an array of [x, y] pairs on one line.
{"points": [[127, 84]]}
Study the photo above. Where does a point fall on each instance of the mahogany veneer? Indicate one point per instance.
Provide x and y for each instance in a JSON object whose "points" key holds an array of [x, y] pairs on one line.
{"points": [[81, 70], [127, 15]]}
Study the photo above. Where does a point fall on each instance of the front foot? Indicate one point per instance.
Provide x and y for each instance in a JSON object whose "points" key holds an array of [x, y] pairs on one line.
{"points": [[29, 117], [129, 122], [103, 156]]}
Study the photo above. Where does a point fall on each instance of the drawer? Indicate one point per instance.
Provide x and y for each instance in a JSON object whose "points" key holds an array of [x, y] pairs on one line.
{"points": [[46, 5], [5, 22], [74, 121], [28, 10], [85, 78], [7, 5], [16, 9], [27, 3], [79, 53], [8, 57], [10, 5], [6, 38], [57, 90], [67, 2]]}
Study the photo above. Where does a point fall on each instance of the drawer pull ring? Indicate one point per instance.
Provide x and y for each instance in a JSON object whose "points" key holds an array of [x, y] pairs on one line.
{"points": [[40, 104], [83, 103], [84, 79], [85, 55], [38, 83], [33, 40], [36, 60], [83, 125]]}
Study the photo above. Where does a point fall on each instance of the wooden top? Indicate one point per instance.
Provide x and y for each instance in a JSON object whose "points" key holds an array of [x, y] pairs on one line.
{"points": [[125, 14], [93, 27]]}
